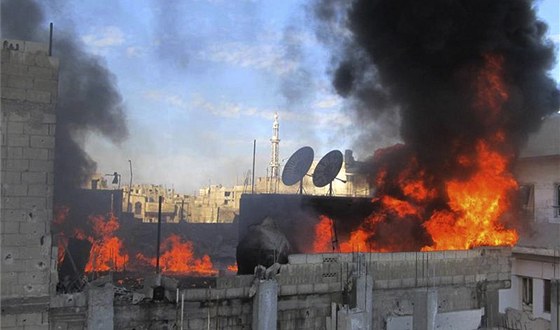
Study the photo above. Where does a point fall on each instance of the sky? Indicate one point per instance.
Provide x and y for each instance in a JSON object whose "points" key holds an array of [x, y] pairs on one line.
{"points": [[201, 79]]}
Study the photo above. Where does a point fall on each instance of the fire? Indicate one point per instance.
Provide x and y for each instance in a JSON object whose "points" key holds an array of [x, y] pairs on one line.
{"points": [[476, 205], [419, 208], [323, 235], [107, 251], [177, 257], [232, 268]]}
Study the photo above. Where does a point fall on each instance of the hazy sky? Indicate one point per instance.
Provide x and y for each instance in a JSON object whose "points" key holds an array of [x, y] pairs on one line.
{"points": [[201, 79]]}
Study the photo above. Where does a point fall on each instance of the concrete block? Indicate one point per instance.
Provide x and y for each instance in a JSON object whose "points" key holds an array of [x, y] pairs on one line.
{"points": [[492, 276], [314, 258], [35, 47], [384, 256], [42, 141], [11, 177], [17, 140], [288, 290], [35, 277], [14, 69], [47, 85], [395, 283], [15, 128], [10, 227], [34, 177], [15, 153], [458, 279], [15, 190], [19, 165], [504, 276], [381, 284], [49, 117], [8, 320], [321, 287], [408, 283], [305, 288], [11, 203], [36, 190], [18, 81], [37, 96], [35, 153], [234, 293], [32, 228], [36, 129], [480, 277], [33, 203], [37, 327], [28, 319], [13, 240], [41, 72], [32, 252], [13, 93]]}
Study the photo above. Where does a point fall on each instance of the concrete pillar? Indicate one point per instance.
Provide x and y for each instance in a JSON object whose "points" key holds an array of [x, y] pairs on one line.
{"points": [[265, 306], [554, 304], [364, 298], [100, 306], [492, 308], [425, 309]]}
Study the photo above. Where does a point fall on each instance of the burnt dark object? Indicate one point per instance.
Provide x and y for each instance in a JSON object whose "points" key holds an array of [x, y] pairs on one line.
{"points": [[263, 245], [159, 293]]}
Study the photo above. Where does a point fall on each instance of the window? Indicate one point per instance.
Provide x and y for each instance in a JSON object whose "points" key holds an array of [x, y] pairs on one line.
{"points": [[527, 200], [527, 291], [546, 295], [227, 193], [137, 208]]}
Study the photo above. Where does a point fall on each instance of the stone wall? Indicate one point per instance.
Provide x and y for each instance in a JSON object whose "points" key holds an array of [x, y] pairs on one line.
{"points": [[29, 91]]}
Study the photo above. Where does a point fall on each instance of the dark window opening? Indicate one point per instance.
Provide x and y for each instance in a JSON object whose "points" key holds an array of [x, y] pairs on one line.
{"points": [[138, 208], [527, 291], [546, 303]]}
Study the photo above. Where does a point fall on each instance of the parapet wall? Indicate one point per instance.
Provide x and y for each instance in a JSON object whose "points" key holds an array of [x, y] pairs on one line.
{"points": [[311, 286]]}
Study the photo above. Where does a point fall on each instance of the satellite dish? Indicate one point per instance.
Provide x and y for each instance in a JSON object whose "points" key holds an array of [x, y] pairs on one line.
{"points": [[297, 166], [327, 169]]}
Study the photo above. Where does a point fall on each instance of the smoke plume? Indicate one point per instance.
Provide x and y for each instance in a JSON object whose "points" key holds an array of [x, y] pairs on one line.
{"points": [[88, 99], [419, 58], [468, 80]]}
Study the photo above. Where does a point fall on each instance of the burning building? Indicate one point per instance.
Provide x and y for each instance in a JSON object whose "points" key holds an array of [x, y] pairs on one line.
{"points": [[432, 246]]}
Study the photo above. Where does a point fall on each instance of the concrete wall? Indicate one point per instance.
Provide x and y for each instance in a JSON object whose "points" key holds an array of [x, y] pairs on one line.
{"points": [[544, 175], [310, 284], [29, 91]]}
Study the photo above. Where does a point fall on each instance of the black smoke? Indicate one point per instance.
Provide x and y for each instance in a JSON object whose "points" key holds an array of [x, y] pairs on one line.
{"points": [[88, 100], [419, 58], [428, 63]]}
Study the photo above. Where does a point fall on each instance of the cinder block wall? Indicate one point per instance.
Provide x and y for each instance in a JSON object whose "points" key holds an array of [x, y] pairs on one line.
{"points": [[29, 89]]}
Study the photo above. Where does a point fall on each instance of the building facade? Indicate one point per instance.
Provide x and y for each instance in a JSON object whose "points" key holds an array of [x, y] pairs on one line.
{"points": [[29, 94], [532, 301]]}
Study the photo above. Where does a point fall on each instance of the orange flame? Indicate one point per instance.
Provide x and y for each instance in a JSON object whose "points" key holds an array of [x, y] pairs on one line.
{"points": [[178, 258], [323, 235], [476, 205], [457, 212], [107, 250], [232, 268]]}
